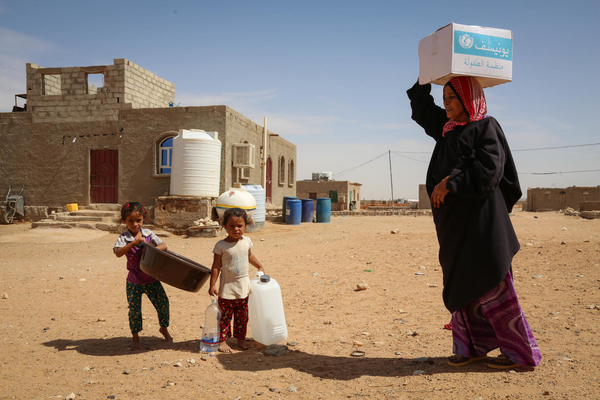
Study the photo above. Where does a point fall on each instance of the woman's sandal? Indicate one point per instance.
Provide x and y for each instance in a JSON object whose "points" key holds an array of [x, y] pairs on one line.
{"points": [[501, 362], [459, 361]]}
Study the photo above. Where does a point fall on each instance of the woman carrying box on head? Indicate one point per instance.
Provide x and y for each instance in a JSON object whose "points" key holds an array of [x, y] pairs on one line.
{"points": [[473, 185]]}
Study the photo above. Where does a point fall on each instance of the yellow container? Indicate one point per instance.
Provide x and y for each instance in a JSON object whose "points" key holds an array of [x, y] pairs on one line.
{"points": [[72, 207]]}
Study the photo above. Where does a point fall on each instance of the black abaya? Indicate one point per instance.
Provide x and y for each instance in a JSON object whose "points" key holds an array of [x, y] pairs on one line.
{"points": [[476, 237]]}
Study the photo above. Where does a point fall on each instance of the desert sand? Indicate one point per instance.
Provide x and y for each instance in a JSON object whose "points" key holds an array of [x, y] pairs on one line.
{"points": [[64, 327]]}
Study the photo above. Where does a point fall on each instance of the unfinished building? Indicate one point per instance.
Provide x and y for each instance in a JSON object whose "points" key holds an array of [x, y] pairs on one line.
{"points": [[102, 134]]}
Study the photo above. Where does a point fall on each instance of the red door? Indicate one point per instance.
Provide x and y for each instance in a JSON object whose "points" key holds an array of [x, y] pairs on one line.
{"points": [[104, 166], [269, 180]]}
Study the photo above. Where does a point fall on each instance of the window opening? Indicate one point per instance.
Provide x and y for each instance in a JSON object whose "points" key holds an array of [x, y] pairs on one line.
{"points": [[282, 170], [95, 83], [245, 173], [51, 85], [165, 155], [291, 171]]}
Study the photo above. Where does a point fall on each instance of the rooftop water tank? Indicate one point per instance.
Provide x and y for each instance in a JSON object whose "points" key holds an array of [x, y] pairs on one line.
{"points": [[196, 164], [322, 176]]}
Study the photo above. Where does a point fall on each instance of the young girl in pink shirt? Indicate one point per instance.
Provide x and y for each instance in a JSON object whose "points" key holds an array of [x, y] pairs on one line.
{"points": [[138, 282]]}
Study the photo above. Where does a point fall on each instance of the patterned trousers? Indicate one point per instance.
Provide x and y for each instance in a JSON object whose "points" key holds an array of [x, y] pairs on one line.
{"points": [[495, 320], [229, 309], [158, 297]]}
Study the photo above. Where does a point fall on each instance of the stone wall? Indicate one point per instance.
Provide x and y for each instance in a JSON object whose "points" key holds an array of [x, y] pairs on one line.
{"points": [[589, 206], [549, 199], [181, 212], [144, 89]]}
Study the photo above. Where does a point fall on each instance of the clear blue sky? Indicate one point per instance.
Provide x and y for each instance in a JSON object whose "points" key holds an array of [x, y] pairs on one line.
{"points": [[331, 76]]}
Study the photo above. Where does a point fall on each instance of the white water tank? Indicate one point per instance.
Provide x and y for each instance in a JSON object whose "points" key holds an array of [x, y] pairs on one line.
{"points": [[322, 176], [260, 214], [259, 195], [196, 164]]}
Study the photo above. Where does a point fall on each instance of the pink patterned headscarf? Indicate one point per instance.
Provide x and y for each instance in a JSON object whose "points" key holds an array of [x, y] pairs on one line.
{"points": [[470, 92]]}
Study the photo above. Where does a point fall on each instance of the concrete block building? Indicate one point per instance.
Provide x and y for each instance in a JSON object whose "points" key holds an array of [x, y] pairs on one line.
{"points": [[344, 195], [553, 199], [108, 143]]}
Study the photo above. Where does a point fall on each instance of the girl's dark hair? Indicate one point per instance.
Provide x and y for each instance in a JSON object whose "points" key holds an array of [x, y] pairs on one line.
{"points": [[131, 208], [235, 212]]}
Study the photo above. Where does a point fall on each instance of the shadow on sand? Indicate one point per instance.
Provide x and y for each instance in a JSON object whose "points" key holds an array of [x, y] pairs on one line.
{"points": [[254, 360], [344, 367], [119, 346]]}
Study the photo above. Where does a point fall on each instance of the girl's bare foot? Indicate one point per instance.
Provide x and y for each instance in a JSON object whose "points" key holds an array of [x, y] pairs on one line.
{"points": [[165, 333], [224, 347], [135, 342], [243, 344]]}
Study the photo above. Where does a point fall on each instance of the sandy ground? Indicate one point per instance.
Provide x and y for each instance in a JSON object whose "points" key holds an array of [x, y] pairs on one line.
{"points": [[64, 327]]}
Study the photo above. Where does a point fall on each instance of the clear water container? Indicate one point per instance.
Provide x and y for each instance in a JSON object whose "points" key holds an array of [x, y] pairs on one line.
{"points": [[265, 306], [210, 332]]}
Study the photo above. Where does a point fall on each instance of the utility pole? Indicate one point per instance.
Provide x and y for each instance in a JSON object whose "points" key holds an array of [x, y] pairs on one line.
{"points": [[391, 180]]}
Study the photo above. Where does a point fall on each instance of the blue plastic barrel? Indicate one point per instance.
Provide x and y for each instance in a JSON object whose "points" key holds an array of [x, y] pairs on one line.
{"points": [[323, 209], [293, 212], [308, 207], [283, 206]]}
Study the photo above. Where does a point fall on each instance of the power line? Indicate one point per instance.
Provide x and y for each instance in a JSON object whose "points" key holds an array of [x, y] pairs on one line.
{"points": [[556, 173], [410, 158], [351, 169], [532, 149], [401, 154], [558, 147]]}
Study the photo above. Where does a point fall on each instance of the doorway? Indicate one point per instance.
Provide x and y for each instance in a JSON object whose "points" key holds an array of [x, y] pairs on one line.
{"points": [[333, 195], [269, 181], [104, 177]]}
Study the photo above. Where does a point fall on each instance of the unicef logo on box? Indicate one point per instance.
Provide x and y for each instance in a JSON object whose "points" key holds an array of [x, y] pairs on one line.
{"points": [[476, 44], [466, 41]]}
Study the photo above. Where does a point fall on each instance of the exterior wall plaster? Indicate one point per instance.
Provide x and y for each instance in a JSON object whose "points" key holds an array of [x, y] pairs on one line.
{"points": [[48, 147]]}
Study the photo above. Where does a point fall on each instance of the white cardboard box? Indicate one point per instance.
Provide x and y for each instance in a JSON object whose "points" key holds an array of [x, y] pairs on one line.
{"points": [[485, 53]]}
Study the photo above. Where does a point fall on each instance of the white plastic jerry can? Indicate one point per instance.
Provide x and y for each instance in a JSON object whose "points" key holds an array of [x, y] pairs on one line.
{"points": [[265, 309]]}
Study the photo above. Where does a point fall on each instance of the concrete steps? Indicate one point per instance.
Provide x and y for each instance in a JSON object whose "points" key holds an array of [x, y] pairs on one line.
{"points": [[98, 216]]}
